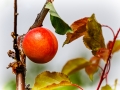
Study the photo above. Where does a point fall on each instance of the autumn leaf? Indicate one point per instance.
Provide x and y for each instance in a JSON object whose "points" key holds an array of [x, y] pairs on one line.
{"points": [[60, 26], [93, 67], [91, 31], [106, 87], [74, 65], [116, 46], [79, 29], [51, 80], [109, 45], [93, 39], [103, 53]]}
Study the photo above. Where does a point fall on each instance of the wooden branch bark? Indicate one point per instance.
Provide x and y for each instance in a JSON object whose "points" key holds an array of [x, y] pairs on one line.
{"points": [[20, 70], [41, 16], [15, 31]]}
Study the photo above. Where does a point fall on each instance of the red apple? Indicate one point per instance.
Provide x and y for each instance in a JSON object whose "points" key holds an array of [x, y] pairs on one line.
{"points": [[40, 45]]}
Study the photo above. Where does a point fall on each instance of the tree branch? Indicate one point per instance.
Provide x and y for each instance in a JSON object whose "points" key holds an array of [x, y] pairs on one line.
{"points": [[14, 34], [41, 16], [20, 69]]}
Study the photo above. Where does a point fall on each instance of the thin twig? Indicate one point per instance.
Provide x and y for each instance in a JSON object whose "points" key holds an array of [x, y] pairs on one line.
{"points": [[110, 29], [15, 31], [41, 16], [108, 60]]}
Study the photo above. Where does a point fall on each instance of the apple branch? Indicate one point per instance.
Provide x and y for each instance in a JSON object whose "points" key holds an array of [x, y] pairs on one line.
{"points": [[14, 34], [108, 61], [41, 16], [20, 69]]}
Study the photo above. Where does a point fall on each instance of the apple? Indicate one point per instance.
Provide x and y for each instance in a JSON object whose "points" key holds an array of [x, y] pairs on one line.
{"points": [[40, 45]]}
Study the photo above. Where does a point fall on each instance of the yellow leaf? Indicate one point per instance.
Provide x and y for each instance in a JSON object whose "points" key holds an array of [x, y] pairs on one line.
{"points": [[106, 87], [74, 65], [116, 46], [50, 80], [115, 83], [91, 76], [53, 86]]}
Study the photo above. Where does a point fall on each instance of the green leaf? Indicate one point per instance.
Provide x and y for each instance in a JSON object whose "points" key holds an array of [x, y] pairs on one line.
{"points": [[60, 26], [93, 39], [48, 81], [106, 87], [74, 65], [116, 46]]}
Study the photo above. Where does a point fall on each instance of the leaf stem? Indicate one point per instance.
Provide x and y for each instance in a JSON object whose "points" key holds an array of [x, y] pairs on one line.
{"points": [[108, 60], [110, 29]]}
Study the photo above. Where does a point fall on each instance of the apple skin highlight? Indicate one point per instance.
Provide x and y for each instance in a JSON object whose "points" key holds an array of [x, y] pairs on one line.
{"points": [[40, 45]]}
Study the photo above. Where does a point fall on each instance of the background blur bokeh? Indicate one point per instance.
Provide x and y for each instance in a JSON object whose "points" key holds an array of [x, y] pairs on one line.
{"points": [[107, 12]]}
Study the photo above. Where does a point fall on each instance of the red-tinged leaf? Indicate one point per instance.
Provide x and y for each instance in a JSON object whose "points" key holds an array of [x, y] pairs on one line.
{"points": [[103, 53], [48, 81], [79, 29], [74, 65], [93, 39], [106, 87], [116, 46], [93, 67], [109, 45]]}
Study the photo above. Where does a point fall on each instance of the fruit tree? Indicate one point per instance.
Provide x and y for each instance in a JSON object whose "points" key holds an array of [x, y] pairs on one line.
{"points": [[40, 45]]}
